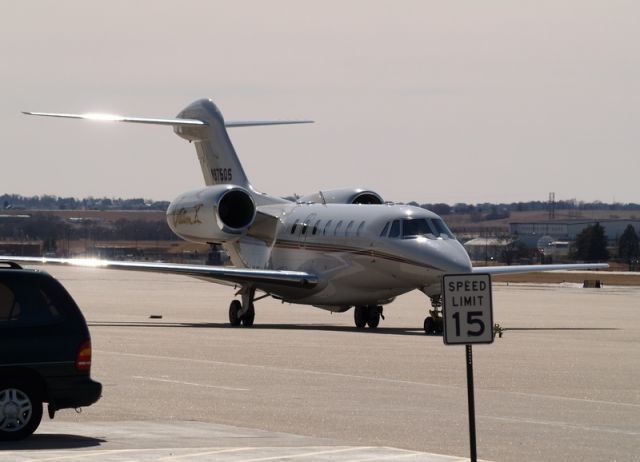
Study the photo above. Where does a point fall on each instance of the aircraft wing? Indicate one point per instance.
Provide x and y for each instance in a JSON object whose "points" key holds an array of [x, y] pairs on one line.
{"points": [[229, 275], [536, 268]]}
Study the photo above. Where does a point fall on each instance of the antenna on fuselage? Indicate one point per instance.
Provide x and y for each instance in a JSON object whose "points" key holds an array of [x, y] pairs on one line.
{"points": [[324, 201]]}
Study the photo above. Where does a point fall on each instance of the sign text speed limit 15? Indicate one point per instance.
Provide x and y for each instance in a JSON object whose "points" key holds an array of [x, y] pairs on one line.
{"points": [[467, 309]]}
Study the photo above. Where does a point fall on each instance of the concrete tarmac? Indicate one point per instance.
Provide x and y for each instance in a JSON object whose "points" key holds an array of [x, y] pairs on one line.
{"points": [[563, 384]]}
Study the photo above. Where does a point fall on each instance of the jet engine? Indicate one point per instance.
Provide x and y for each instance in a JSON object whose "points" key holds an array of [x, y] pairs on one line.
{"points": [[344, 196], [213, 214]]}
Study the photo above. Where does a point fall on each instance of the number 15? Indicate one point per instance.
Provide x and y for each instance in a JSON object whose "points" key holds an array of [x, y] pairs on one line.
{"points": [[472, 318]]}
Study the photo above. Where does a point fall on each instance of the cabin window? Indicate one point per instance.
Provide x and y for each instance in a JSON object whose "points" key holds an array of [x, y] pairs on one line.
{"points": [[385, 230], [360, 228], [394, 232], [315, 227], [293, 228], [337, 230], [326, 228], [304, 228], [349, 227]]}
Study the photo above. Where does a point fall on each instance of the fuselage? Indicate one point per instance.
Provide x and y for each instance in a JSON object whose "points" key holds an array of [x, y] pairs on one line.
{"points": [[362, 254]]}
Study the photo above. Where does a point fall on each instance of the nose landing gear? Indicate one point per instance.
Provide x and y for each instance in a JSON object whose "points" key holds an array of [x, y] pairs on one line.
{"points": [[433, 323]]}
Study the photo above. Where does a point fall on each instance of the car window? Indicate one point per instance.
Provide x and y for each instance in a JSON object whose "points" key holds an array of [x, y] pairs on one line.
{"points": [[27, 302], [9, 306]]}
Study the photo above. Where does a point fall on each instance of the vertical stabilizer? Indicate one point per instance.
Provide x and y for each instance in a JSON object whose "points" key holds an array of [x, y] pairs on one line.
{"points": [[218, 158]]}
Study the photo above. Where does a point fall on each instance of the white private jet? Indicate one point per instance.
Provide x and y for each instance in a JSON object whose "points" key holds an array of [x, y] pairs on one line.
{"points": [[335, 249]]}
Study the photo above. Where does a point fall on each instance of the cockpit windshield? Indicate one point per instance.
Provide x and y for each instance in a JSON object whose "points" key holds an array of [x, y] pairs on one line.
{"points": [[432, 228], [410, 228]]}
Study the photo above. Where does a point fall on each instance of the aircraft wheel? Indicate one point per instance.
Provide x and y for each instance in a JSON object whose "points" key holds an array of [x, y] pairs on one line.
{"points": [[248, 317], [234, 310], [373, 316], [429, 326], [438, 326], [360, 316]]}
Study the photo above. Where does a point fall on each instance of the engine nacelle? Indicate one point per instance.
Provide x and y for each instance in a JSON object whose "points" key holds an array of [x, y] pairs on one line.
{"points": [[214, 214], [344, 196]]}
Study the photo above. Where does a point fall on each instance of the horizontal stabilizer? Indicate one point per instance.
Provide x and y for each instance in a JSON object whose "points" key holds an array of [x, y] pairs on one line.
{"points": [[257, 123], [171, 122], [118, 118]]}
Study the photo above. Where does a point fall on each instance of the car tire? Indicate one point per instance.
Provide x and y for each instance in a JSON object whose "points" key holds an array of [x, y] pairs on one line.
{"points": [[20, 409]]}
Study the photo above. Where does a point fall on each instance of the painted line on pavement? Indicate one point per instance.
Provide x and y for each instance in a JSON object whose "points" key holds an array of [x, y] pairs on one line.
{"points": [[193, 384]]}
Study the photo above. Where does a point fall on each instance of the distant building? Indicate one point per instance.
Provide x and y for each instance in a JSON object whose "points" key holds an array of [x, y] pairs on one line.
{"points": [[21, 248], [567, 230], [487, 248]]}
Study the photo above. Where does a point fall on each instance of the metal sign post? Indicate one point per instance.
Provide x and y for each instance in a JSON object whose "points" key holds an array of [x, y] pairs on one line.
{"points": [[468, 319], [472, 406]]}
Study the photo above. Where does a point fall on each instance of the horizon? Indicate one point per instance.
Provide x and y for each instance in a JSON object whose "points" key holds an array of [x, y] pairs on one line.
{"points": [[574, 201]]}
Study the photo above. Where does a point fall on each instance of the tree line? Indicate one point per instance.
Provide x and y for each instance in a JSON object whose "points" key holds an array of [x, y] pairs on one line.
{"points": [[49, 228], [591, 245], [492, 210], [50, 202]]}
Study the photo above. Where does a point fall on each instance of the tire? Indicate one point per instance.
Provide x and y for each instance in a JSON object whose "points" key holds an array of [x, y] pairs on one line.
{"points": [[438, 326], [20, 410], [373, 317], [360, 316], [429, 326], [234, 309], [249, 316]]}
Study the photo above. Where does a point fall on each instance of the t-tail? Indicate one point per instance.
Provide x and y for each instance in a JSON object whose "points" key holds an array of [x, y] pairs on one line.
{"points": [[201, 123]]}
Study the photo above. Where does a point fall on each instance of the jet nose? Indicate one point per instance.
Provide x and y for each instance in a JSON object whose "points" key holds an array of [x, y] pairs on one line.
{"points": [[454, 258]]}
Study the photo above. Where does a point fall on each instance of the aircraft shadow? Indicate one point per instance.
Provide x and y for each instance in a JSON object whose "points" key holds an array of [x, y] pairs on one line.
{"points": [[301, 327], [318, 327], [560, 328], [52, 441]]}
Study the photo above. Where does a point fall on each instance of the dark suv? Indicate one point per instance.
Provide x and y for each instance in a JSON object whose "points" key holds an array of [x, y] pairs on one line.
{"points": [[45, 351]]}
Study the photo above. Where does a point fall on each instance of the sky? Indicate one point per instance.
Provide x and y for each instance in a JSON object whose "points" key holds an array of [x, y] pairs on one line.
{"points": [[427, 101]]}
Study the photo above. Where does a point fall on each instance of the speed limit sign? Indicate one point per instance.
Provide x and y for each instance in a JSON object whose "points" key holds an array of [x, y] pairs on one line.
{"points": [[467, 309]]}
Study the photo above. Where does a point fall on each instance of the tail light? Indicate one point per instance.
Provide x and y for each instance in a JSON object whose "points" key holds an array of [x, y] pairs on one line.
{"points": [[83, 358]]}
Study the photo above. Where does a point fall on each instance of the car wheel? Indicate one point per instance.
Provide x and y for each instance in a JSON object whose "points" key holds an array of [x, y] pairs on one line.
{"points": [[20, 410]]}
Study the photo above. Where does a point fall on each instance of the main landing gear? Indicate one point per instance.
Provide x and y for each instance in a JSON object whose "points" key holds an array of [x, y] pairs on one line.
{"points": [[367, 315], [243, 312], [433, 322]]}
